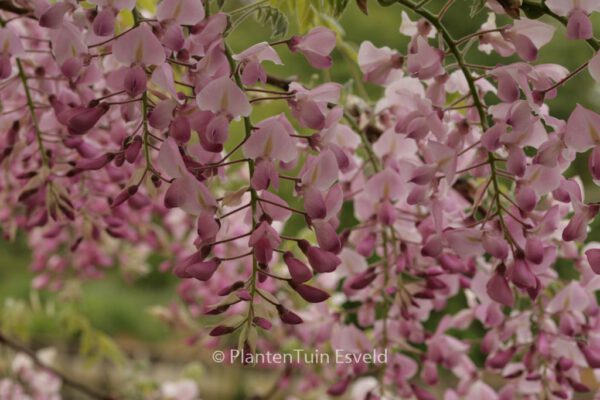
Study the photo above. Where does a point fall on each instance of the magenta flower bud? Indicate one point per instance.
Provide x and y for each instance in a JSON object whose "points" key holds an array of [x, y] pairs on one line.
{"points": [[491, 138], [593, 257], [387, 213], [135, 81], [231, 288], [433, 246], [314, 205], [423, 175], [417, 195], [520, 274], [592, 355], [53, 17], [180, 129], [221, 330], [208, 227], [160, 117], [244, 295], [500, 358], [287, 316], [298, 270], [578, 386], [579, 26], [534, 250], [499, 291], [94, 163], [363, 279], [133, 149], [567, 325], [321, 260], [594, 164], [5, 66], [263, 323], [203, 270], [367, 244], [215, 134], [263, 251], [429, 374], [124, 195], [526, 198], [71, 67], [451, 263], [327, 237], [339, 388], [564, 364], [104, 23], [517, 161], [309, 293], [85, 119], [495, 245]]}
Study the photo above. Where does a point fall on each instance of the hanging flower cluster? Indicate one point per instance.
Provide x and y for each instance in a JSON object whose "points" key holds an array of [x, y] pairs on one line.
{"points": [[122, 140]]}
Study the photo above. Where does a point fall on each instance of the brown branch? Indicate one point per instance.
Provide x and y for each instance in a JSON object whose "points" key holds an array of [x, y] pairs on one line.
{"points": [[65, 379]]}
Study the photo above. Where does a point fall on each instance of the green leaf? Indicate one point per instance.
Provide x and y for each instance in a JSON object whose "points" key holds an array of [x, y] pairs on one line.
{"points": [[336, 7], [268, 15], [476, 7]]}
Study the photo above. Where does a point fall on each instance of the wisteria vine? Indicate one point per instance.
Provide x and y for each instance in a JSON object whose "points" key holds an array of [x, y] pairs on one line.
{"points": [[129, 133]]}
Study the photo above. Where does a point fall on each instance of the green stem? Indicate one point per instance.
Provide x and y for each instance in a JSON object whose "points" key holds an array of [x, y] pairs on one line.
{"points": [[31, 106], [253, 194]]}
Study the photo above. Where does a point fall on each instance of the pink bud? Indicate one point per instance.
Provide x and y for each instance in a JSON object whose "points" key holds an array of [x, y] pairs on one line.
{"points": [[451, 263], [133, 149], [327, 237], [71, 67], [104, 23], [387, 213], [499, 291], [579, 26], [215, 134], [309, 293], [85, 119], [526, 198], [433, 246], [53, 17], [591, 354], [124, 195], [534, 250], [208, 227], [594, 164], [517, 161], [263, 323], [221, 330], [593, 257], [298, 270], [5, 66], [135, 81], [287, 316], [316, 46], [495, 245], [367, 244], [203, 270], [181, 129], [363, 279], [429, 373], [500, 358], [314, 205], [339, 388], [321, 260], [567, 325], [94, 163], [520, 274]]}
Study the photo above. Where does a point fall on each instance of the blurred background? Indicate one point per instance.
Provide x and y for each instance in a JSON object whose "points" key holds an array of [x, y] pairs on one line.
{"points": [[120, 308]]}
